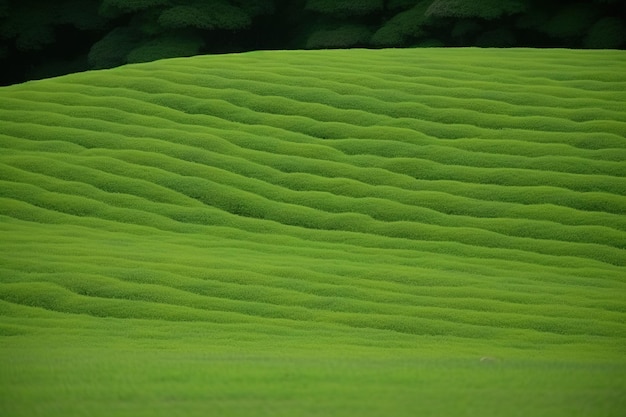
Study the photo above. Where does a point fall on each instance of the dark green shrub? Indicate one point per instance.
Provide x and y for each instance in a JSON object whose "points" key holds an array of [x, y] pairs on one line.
{"points": [[202, 15], [403, 27], [58, 67], [256, 7], [166, 46], [30, 27], [82, 14], [400, 4], [499, 38], [115, 8], [609, 33], [4, 8], [430, 43], [465, 29], [344, 8], [32, 24], [486, 9], [343, 37], [111, 51], [533, 19], [571, 21], [146, 22]]}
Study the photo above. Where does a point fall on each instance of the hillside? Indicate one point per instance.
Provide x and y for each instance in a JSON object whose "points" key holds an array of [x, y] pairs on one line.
{"points": [[435, 232]]}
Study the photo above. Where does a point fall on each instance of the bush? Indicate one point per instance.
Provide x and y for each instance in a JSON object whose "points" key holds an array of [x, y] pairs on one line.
{"points": [[166, 47], [256, 7], [430, 43], [609, 32], [533, 19], [403, 27], [111, 51], [115, 8], [343, 37], [499, 38], [31, 27], [400, 4], [58, 67], [345, 8], [82, 14], [218, 15], [571, 21], [486, 9], [465, 29]]}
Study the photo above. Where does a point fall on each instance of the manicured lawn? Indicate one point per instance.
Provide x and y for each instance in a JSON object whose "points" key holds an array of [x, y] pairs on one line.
{"points": [[433, 232]]}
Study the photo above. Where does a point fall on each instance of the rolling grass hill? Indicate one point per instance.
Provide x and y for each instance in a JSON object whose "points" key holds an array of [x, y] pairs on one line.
{"points": [[432, 232]]}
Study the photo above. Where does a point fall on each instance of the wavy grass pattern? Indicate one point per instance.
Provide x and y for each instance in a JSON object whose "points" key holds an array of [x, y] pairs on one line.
{"points": [[468, 201]]}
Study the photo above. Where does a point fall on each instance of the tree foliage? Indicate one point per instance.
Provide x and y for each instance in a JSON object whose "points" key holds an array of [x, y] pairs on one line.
{"points": [[606, 33], [34, 33], [533, 20], [497, 38], [115, 8], [465, 28], [30, 29], [346, 36], [344, 8], [111, 51], [167, 28], [165, 47], [485, 9], [571, 21], [395, 5], [404, 26], [203, 15], [81, 14], [31, 25], [256, 7], [4, 8]]}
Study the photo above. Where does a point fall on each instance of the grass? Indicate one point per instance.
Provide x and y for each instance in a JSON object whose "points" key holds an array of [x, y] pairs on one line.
{"points": [[394, 232]]}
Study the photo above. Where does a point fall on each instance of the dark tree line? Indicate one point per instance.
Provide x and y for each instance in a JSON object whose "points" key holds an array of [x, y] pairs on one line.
{"points": [[45, 38]]}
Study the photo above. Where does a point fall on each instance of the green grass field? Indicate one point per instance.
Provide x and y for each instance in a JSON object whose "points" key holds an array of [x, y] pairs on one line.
{"points": [[424, 232]]}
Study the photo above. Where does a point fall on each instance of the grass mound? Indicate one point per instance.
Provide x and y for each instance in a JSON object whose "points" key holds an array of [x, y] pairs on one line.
{"points": [[346, 232]]}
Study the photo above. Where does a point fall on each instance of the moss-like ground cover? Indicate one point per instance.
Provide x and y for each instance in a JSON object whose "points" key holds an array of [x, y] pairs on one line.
{"points": [[432, 232]]}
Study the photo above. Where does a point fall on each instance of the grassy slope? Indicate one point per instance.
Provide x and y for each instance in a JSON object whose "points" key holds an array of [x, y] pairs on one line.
{"points": [[317, 233]]}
